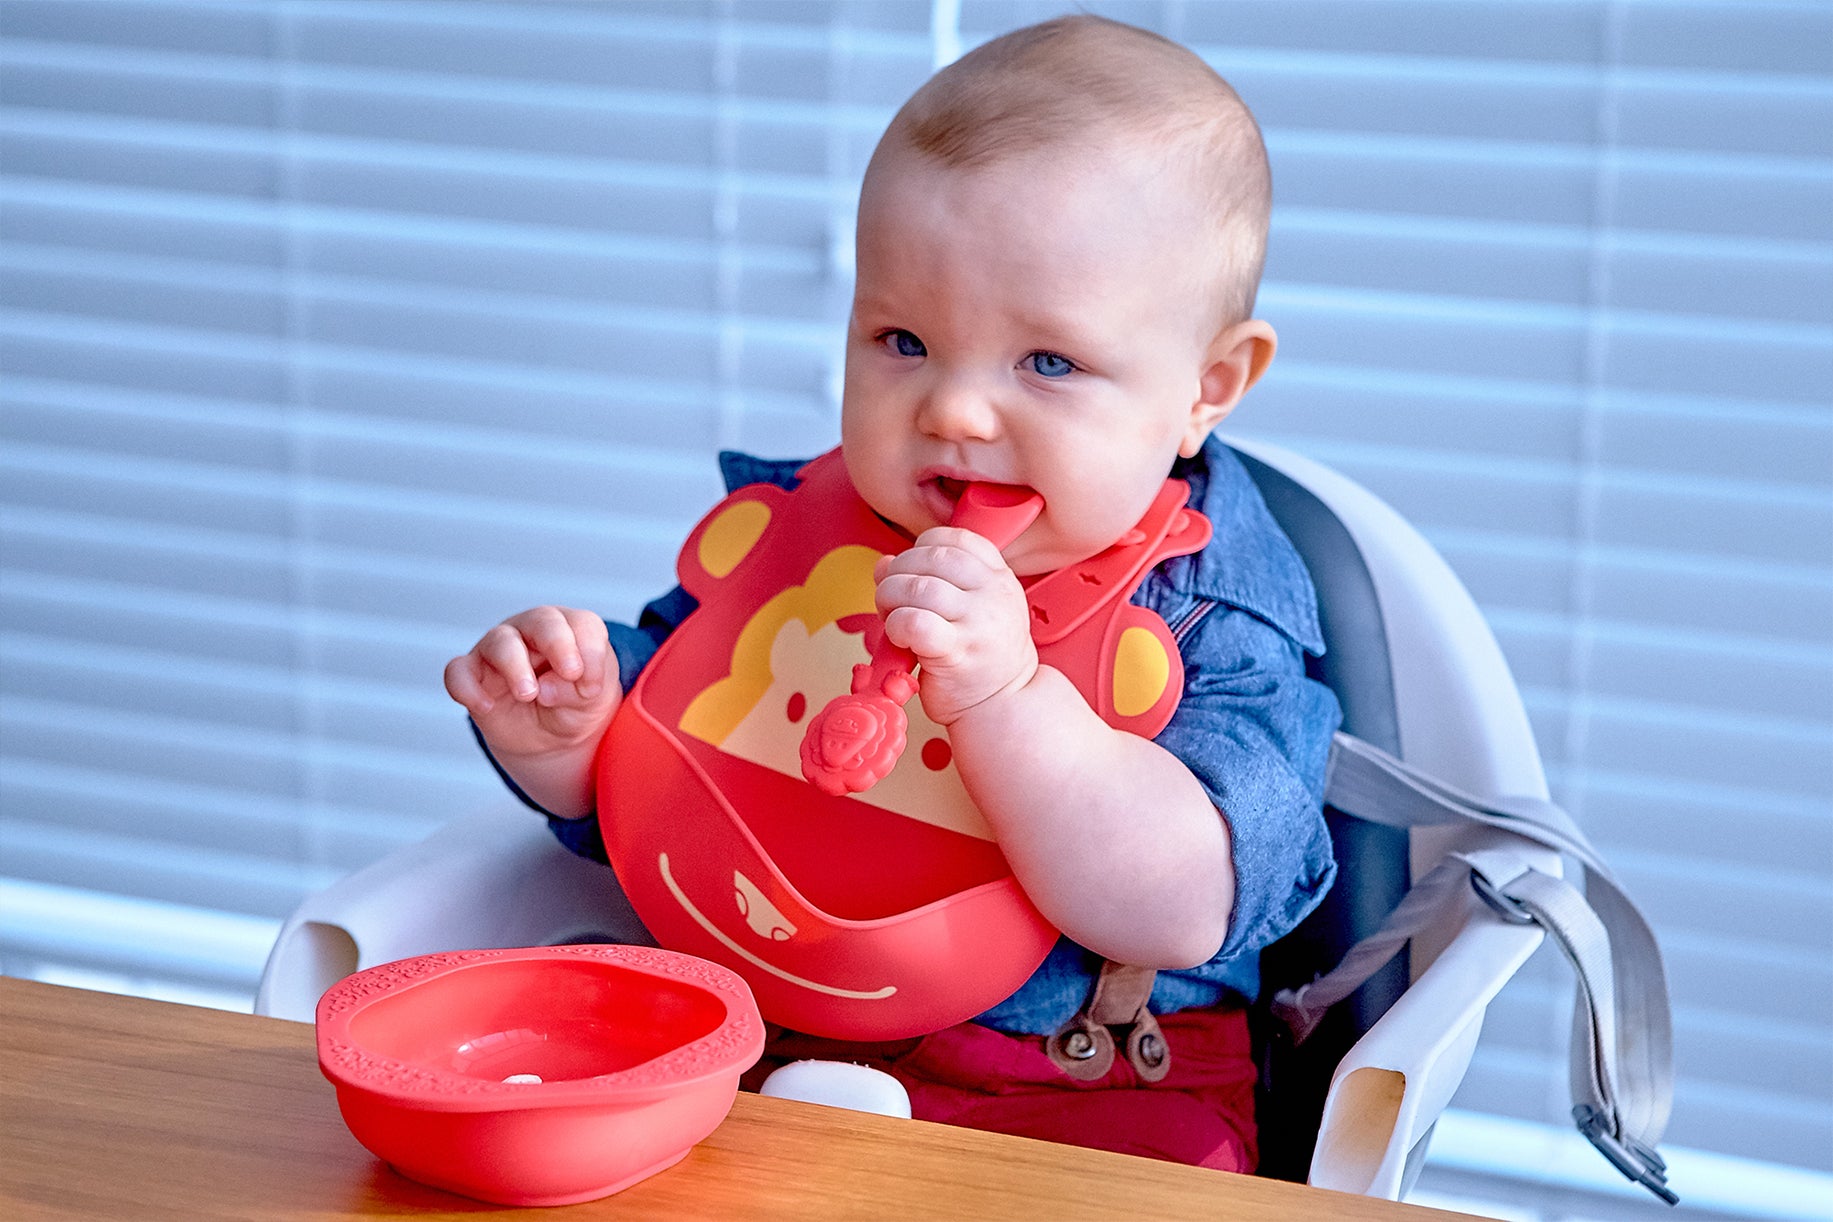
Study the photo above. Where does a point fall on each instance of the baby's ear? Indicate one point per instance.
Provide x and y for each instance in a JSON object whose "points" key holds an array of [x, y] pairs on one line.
{"points": [[1233, 363]]}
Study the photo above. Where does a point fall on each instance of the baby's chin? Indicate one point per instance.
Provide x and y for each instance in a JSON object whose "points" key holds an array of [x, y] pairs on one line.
{"points": [[1035, 562]]}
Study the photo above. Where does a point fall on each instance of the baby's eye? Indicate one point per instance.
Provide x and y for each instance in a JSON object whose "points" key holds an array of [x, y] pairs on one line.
{"points": [[1051, 365], [904, 343]]}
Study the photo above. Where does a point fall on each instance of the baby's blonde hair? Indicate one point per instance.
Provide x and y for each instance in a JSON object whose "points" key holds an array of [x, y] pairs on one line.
{"points": [[1080, 81]]}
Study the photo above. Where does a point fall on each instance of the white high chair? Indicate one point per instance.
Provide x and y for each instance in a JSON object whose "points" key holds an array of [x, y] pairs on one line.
{"points": [[1418, 674]]}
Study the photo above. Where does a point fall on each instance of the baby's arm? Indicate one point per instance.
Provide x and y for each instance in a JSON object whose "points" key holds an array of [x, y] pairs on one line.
{"points": [[1111, 836], [542, 686]]}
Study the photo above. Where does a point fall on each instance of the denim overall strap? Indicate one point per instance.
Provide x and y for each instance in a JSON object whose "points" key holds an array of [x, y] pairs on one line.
{"points": [[1084, 1047]]}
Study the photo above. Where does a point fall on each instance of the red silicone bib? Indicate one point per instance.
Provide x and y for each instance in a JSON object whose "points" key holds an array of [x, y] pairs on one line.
{"points": [[868, 915]]}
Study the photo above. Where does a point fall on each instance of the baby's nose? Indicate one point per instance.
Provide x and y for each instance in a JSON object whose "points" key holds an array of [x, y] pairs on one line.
{"points": [[955, 411]]}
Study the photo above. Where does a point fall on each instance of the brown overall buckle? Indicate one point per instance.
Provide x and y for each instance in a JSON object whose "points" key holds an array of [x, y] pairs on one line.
{"points": [[1084, 1047]]}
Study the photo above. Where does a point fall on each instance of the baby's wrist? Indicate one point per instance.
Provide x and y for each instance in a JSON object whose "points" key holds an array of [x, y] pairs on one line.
{"points": [[997, 712], [552, 751]]}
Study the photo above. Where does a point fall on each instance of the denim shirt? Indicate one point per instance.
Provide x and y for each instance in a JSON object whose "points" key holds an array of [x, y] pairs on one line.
{"points": [[1251, 727]]}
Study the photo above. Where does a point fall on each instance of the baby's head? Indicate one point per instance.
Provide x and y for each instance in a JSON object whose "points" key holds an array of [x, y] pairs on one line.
{"points": [[1060, 238]]}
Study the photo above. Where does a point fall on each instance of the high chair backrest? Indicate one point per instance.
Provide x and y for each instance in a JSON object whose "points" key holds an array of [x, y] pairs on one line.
{"points": [[1418, 674], [1372, 862]]}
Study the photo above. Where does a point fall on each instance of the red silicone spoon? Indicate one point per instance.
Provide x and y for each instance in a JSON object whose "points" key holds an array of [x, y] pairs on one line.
{"points": [[855, 741]]}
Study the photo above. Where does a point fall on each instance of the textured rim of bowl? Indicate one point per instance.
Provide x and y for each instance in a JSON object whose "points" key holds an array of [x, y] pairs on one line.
{"points": [[726, 1050]]}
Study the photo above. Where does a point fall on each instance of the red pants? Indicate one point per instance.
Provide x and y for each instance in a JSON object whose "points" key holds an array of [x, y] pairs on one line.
{"points": [[1201, 1113]]}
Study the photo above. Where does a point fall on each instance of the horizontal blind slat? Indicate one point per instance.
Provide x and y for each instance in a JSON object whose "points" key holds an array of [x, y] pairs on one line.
{"points": [[70, 935]]}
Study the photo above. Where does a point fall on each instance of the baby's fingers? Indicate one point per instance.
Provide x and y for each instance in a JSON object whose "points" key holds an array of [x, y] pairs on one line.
{"points": [[963, 544], [963, 560], [504, 650], [470, 680], [921, 631], [552, 634], [580, 667], [922, 592]]}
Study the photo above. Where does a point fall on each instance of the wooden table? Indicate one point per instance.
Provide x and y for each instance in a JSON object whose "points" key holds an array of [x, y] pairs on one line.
{"points": [[117, 1107]]}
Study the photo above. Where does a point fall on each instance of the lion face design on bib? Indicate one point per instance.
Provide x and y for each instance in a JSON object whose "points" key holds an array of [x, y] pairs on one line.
{"points": [[797, 653]]}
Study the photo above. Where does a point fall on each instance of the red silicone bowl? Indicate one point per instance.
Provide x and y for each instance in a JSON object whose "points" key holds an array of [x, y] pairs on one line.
{"points": [[542, 1076]]}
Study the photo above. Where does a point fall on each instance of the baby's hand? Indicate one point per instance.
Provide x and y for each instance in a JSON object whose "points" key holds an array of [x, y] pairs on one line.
{"points": [[540, 681], [952, 600]]}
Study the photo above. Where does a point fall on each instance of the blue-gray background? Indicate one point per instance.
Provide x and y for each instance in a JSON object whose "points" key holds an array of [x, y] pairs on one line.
{"points": [[330, 333]]}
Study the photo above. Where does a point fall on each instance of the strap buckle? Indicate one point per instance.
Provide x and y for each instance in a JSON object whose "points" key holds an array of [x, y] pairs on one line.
{"points": [[1636, 1161], [1507, 907]]}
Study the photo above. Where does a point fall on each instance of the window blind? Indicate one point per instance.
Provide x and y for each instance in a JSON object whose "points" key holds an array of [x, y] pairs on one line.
{"points": [[330, 333]]}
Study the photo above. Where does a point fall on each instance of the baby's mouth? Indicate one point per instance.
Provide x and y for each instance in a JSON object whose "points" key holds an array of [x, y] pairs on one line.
{"points": [[941, 496]]}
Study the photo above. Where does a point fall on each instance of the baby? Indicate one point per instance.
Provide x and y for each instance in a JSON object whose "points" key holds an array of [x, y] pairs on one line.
{"points": [[1060, 238]]}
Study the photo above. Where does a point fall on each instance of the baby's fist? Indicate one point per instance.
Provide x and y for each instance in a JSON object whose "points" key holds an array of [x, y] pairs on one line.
{"points": [[541, 680]]}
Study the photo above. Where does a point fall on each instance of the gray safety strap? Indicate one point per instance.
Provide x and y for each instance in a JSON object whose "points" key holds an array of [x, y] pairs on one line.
{"points": [[1622, 1045]]}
